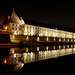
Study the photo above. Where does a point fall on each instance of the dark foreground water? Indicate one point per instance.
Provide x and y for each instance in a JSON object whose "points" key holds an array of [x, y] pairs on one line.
{"points": [[36, 60]]}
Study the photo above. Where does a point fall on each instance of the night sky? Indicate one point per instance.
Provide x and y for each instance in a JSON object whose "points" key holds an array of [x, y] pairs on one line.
{"points": [[61, 13]]}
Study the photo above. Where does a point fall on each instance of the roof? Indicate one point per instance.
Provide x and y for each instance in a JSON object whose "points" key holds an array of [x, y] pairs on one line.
{"points": [[53, 26]]}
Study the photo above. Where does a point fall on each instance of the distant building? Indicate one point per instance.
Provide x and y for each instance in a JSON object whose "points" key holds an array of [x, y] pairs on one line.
{"points": [[17, 26]]}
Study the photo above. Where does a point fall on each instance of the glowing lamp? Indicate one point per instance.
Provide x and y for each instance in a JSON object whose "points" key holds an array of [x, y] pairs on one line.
{"points": [[6, 28], [47, 39], [37, 48], [37, 38], [5, 61]]}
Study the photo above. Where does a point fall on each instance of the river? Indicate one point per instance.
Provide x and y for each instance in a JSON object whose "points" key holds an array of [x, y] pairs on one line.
{"points": [[18, 59]]}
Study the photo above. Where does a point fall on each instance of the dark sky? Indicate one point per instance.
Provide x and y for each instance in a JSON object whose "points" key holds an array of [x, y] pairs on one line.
{"points": [[61, 13]]}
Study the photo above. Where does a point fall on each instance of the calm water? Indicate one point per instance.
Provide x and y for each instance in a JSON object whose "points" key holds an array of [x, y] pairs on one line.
{"points": [[18, 59]]}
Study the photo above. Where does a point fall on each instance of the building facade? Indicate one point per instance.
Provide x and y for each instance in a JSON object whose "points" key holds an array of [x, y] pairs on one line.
{"points": [[18, 28]]}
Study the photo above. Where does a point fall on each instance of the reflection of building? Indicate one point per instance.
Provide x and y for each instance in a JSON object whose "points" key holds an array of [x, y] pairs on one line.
{"points": [[18, 27], [40, 54]]}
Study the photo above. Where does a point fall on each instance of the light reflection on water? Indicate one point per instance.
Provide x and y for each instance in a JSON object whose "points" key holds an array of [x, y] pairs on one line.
{"points": [[27, 55], [32, 54]]}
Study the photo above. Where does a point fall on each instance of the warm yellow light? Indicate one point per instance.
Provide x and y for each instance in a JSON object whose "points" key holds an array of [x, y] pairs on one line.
{"points": [[37, 38], [5, 61], [37, 48], [27, 37], [6, 28], [47, 39]]}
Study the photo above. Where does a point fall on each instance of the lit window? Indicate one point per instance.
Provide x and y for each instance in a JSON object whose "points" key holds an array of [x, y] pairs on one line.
{"points": [[47, 39], [37, 48], [54, 39], [59, 47], [27, 38], [64, 47], [26, 49], [37, 38], [71, 40], [54, 47], [68, 40], [15, 32], [64, 39], [59, 39], [13, 36], [47, 48], [14, 55]]}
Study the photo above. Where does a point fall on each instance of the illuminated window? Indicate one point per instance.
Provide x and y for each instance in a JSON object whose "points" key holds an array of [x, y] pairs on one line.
{"points": [[47, 48], [68, 40], [15, 32], [26, 49], [47, 39], [68, 46], [27, 38], [64, 39], [59, 47], [59, 39], [71, 46], [37, 48], [71, 40], [37, 38], [13, 36], [54, 39], [64, 47], [54, 47]]}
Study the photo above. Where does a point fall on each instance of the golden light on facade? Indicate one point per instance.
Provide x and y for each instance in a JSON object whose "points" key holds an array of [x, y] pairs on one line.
{"points": [[26, 49], [59, 39], [13, 36], [15, 32], [54, 47], [37, 48], [27, 38], [47, 39], [59, 47], [6, 28], [47, 48], [37, 38]]}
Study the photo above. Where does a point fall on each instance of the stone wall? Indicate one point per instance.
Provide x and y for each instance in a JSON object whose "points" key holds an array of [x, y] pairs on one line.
{"points": [[39, 38]]}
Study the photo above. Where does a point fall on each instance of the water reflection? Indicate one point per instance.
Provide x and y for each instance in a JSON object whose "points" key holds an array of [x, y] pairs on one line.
{"points": [[25, 55]]}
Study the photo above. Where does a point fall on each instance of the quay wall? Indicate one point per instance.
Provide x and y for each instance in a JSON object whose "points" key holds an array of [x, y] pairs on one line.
{"points": [[41, 39]]}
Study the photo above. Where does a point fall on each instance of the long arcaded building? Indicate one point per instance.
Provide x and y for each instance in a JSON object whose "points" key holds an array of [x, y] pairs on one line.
{"points": [[20, 30]]}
